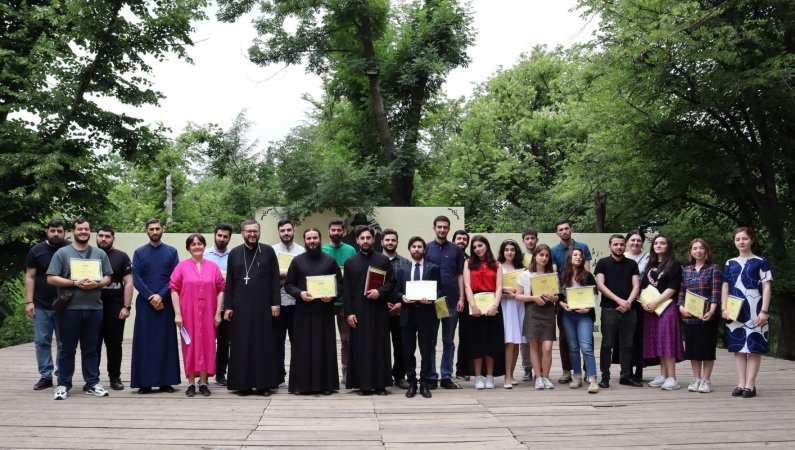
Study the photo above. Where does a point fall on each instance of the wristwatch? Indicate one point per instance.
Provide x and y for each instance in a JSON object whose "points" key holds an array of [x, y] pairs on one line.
{"points": [[128, 307]]}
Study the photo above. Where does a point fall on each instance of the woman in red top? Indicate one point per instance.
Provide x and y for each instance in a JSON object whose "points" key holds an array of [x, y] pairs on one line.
{"points": [[482, 274]]}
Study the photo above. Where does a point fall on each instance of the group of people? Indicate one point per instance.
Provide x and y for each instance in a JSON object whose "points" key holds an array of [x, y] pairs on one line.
{"points": [[234, 310]]}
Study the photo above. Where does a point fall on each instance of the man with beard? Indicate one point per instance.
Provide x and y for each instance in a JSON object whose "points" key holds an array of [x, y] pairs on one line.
{"points": [[418, 318], [450, 259], [219, 254], [116, 301], [251, 302], [366, 295], [389, 242], [340, 251], [313, 360], [155, 358], [283, 324], [618, 280], [81, 321], [38, 299], [461, 239]]}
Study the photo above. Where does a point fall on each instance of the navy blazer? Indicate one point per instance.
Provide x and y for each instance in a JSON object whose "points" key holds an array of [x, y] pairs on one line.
{"points": [[430, 272]]}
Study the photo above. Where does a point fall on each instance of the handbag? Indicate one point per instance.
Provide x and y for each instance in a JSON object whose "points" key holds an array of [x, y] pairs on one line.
{"points": [[62, 301]]}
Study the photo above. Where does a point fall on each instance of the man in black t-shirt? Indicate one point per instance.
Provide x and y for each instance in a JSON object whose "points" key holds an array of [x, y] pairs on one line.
{"points": [[618, 280], [116, 304], [38, 299]]}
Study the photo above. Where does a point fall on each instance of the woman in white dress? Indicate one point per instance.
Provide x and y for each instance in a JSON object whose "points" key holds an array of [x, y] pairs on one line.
{"points": [[510, 258]]}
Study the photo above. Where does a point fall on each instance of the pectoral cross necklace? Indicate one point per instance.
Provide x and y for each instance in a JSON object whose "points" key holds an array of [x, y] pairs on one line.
{"points": [[248, 267]]}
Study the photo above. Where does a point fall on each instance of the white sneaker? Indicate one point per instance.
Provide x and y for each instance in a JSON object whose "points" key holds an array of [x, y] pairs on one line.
{"points": [[97, 390], [539, 383], [508, 385], [479, 383], [670, 384], [593, 386], [60, 393], [657, 381], [548, 384], [694, 385], [576, 382], [489, 382], [705, 387]]}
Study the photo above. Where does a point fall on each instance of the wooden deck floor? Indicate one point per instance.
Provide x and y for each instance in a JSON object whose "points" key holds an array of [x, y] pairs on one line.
{"points": [[518, 418]]}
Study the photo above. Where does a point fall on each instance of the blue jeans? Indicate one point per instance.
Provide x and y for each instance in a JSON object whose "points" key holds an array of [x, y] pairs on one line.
{"points": [[579, 333], [448, 342], [84, 326], [44, 324]]}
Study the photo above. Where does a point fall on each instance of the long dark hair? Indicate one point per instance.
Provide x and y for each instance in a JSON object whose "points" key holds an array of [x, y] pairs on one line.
{"points": [[654, 260], [518, 258], [474, 261], [572, 272], [548, 268]]}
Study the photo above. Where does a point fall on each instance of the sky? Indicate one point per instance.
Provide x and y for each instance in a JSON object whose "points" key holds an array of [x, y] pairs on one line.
{"points": [[222, 82]]}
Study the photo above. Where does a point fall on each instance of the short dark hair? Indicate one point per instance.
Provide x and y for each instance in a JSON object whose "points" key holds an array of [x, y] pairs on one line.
{"points": [[415, 239], [78, 222], [284, 222], [107, 229], [389, 231], [56, 223], [152, 222], [193, 236], [615, 236], [457, 232], [441, 219], [249, 222], [313, 229], [362, 228], [561, 222], [531, 232], [336, 221], [223, 226]]}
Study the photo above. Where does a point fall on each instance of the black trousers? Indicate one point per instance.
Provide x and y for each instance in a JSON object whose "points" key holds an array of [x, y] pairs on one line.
{"points": [[616, 324], [419, 330], [113, 335], [283, 327], [398, 368], [222, 348]]}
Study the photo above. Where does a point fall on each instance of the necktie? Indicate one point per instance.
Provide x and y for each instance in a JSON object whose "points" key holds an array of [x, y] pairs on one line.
{"points": [[417, 275]]}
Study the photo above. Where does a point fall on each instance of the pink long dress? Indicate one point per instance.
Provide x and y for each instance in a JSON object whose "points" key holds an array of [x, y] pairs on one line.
{"points": [[198, 294]]}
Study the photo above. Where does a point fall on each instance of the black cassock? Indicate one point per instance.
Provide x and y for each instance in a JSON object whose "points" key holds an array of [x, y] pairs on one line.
{"points": [[313, 357], [252, 287], [369, 358]]}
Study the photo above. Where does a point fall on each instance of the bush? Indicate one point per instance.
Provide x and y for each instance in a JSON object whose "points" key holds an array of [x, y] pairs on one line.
{"points": [[15, 326]]}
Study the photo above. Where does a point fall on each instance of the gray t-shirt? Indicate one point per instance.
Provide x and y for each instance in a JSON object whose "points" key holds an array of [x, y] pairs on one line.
{"points": [[60, 265]]}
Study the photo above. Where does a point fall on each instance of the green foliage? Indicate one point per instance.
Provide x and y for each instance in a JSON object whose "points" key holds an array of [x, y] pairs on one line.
{"points": [[15, 326]]}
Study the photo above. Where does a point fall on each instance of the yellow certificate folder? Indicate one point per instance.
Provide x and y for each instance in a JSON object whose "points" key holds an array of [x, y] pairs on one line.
{"points": [[511, 279], [322, 286], [80, 269], [484, 301], [544, 284], [284, 260], [581, 297], [733, 306], [649, 294], [695, 304], [441, 308]]}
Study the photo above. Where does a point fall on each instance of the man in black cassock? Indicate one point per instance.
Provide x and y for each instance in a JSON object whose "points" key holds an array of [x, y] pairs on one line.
{"points": [[313, 360], [369, 361], [251, 301]]}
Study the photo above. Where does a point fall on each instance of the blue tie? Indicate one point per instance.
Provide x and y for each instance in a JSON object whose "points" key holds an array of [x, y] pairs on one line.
{"points": [[417, 276]]}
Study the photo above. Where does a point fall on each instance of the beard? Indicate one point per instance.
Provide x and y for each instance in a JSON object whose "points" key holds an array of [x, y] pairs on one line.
{"points": [[336, 239], [105, 246], [81, 240], [313, 251], [617, 255]]}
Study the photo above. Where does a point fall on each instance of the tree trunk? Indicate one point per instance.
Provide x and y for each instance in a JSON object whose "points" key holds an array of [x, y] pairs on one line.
{"points": [[600, 210]]}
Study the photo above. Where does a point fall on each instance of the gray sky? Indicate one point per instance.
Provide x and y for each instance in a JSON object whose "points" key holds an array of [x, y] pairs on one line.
{"points": [[222, 81]]}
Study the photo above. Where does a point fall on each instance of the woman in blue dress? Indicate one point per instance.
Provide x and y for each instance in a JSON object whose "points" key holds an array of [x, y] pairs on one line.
{"points": [[748, 278]]}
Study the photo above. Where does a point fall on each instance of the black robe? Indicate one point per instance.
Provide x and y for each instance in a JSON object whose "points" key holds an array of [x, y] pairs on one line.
{"points": [[252, 357], [313, 356], [369, 358]]}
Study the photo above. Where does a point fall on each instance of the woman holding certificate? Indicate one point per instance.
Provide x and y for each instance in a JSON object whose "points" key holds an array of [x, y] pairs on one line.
{"points": [[745, 299], [483, 286], [540, 289], [512, 310], [659, 285], [578, 302], [197, 290], [699, 297]]}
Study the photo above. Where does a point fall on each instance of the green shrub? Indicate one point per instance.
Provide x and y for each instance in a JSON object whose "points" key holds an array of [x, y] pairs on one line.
{"points": [[15, 326]]}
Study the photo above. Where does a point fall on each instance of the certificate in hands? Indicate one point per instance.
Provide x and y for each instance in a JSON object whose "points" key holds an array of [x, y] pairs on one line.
{"points": [[511, 279], [284, 260], [649, 294], [441, 308], [581, 297], [419, 290], [484, 300], [544, 284], [695, 304], [322, 286], [80, 269], [733, 306]]}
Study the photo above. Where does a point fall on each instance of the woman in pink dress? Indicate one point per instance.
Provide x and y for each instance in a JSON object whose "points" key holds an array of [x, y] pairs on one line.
{"points": [[197, 290]]}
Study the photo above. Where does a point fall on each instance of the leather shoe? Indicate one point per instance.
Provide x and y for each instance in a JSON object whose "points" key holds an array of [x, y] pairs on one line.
{"points": [[737, 392], [433, 384], [630, 382], [167, 388], [116, 384], [604, 384], [749, 393], [449, 384], [424, 391], [380, 392], [411, 391], [144, 390], [402, 383], [220, 380], [43, 383]]}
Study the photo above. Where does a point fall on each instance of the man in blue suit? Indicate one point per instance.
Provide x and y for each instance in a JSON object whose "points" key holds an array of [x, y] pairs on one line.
{"points": [[418, 318]]}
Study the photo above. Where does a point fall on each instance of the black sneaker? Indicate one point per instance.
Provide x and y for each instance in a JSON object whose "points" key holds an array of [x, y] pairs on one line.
{"points": [[43, 383], [205, 391], [191, 391], [449, 384]]}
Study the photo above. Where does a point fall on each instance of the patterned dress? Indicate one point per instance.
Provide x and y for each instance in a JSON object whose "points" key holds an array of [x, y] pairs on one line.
{"points": [[745, 278]]}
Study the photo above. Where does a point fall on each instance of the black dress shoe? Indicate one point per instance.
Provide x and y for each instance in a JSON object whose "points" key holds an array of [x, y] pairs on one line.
{"points": [[264, 392], [244, 392], [220, 380], [327, 392], [449, 384], [411, 391], [433, 385], [116, 384], [630, 382], [737, 392], [381, 392], [43, 383], [604, 384], [425, 392], [168, 389], [144, 390], [749, 393]]}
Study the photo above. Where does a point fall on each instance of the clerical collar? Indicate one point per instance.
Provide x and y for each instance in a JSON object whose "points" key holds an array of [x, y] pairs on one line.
{"points": [[252, 249], [366, 253]]}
